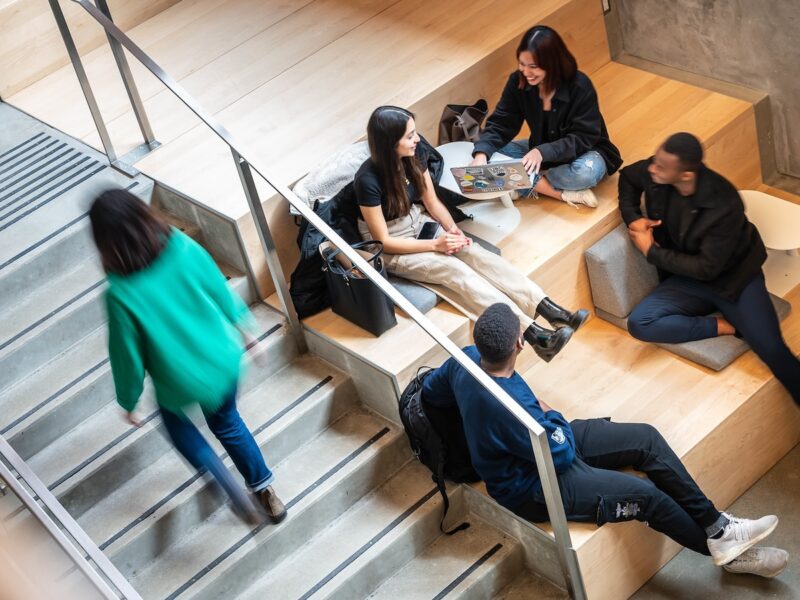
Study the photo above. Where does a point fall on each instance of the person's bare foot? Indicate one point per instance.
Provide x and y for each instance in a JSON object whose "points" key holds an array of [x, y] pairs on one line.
{"points": [[725, 328]]}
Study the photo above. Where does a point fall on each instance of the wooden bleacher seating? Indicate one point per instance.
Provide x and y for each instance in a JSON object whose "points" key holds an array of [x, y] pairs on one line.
{"points": [[296, 81]]}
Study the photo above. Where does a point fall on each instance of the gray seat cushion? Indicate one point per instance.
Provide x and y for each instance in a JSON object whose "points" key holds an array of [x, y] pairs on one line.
{"points": [[620, 278], [619, 275]]}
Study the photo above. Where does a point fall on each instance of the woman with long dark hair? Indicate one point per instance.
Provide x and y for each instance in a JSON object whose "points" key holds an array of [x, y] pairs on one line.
{"points": [[568, 151], [397, 198], [172, 315]]}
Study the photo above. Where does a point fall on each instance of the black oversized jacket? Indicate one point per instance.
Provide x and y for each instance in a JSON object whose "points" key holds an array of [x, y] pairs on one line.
{"points": [[576, 125], [715, 244]]}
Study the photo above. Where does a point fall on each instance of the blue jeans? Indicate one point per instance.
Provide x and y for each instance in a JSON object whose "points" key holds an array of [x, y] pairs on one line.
{"points": [[677, 311], [583, 173], [227, 426], [594, 491]]}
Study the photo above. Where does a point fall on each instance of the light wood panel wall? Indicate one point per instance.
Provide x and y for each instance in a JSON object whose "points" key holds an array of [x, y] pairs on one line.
{"points": [[31, 46]]}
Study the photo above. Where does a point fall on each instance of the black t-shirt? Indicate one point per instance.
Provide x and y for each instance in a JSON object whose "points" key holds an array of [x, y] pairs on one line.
{"points": [[369, 190]]}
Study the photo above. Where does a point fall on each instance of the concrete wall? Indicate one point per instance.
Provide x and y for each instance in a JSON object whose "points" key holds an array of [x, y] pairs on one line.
{"points": [[746, 42]]}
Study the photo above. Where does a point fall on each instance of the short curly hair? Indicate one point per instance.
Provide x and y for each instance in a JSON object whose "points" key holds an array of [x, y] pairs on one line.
{"points": [[496, 333]]}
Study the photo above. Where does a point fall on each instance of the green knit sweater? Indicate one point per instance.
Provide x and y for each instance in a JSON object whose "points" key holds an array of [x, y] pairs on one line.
{"points": [[176, 320]]}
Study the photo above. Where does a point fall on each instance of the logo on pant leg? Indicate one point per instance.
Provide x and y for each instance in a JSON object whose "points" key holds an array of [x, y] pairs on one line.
{"points": [[628, 510]]}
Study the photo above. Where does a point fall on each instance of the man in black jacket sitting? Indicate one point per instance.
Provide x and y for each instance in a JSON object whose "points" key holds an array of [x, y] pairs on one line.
{"points": [[708, 254]]}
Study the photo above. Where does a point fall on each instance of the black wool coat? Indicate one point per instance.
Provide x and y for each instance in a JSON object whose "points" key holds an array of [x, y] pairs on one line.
{"points": [[715, 244], [576, 125]]}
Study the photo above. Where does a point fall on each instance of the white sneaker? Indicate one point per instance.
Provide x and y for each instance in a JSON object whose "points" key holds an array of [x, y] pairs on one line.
{"points": [[739, 536], [764, 562], [575, 197]]}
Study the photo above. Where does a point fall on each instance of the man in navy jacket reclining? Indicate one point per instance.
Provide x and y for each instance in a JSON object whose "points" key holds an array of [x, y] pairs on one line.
{"points": [[586, 453]]}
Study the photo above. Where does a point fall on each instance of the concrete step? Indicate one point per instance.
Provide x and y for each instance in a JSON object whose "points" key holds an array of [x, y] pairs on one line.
{"points": [[103, 448], [74, 385], [32, 348], [365, 546], [318, 482], [33, 263], [43, 305], [137, 519], [474, 563], [529, 585]]}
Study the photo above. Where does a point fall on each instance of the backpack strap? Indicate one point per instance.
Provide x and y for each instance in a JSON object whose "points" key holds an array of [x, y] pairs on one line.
{"points": [[439, 478]]}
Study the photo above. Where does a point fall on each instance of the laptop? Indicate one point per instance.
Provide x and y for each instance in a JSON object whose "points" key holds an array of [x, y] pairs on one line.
{"points": [[495, 177]]}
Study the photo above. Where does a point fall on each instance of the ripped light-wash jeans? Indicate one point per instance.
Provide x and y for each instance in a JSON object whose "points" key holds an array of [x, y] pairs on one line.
{"points": [[471, 280], [583, 173]]}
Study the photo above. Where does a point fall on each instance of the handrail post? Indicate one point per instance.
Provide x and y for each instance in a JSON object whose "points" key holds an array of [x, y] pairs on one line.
{"points": [[270, 251], [567, 556], [127, 79], [86, 87]]}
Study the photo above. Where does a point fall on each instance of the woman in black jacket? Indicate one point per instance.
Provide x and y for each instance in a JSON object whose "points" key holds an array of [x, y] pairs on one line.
{"points": [[568, 136]]}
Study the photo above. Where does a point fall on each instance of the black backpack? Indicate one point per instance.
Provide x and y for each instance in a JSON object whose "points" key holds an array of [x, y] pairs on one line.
{"points": [[438, 441]]}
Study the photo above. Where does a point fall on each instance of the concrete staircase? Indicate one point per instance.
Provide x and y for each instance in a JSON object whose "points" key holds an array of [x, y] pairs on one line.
{"points": [[363, 514]]}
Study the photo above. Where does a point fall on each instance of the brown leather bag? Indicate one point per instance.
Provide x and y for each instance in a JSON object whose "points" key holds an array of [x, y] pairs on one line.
{"points": [[461, 122]]}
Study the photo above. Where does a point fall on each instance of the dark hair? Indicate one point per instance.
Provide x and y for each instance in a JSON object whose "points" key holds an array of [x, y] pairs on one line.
{"points": [[128, 233], [687, 148], [551, 54], [496, 333], [386, 126]]}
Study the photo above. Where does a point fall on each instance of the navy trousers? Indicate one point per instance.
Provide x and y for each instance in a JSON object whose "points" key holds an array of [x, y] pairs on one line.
{"points": [[677, 311], [227, 426], [592, 490]]}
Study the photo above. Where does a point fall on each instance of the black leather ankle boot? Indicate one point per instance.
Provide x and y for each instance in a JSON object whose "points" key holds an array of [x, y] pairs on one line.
{"points": [[546, 342], [561, 317]]}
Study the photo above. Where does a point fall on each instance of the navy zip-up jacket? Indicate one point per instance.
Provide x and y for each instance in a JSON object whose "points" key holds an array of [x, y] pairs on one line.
{"points": [[576, 125], [499, 445]]}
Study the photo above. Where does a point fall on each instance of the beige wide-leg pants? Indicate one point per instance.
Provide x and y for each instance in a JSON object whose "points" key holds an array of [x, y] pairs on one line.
{"points": [[472, 279]]}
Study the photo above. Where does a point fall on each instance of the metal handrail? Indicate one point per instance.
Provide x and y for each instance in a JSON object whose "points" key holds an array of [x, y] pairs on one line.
{"points": [[87, 547], [538, 435]]}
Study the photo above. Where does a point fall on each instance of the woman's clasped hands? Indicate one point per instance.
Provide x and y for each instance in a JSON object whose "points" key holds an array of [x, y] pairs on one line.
{"points": [[451, 241]]}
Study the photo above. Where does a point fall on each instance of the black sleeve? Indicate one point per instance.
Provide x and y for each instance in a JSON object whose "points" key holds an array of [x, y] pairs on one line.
{"points": [[633, 180], [368, 189], [584, 126], [504, 123], [716, 249]]}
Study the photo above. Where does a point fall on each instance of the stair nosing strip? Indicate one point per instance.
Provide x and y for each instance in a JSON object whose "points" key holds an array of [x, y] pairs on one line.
{"points": [[50, 236], [35, 168], [64, 172], [327, 475], [33, 159], [53, 396], [468, 571], [119, 439], [18, 146], [32, 147], [369, 544], [296, 402], [65, 190], [51, 314]]}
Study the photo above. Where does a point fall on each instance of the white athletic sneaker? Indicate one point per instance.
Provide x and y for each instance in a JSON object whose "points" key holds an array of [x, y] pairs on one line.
{"points": [[764, 562], [575, 197], [739, 536]]}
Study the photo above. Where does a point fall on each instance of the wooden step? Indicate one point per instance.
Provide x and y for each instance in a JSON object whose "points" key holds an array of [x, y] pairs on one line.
{"points": [[712, 421]]}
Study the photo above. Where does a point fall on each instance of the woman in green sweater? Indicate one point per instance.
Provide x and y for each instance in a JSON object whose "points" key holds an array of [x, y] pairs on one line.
{"points": [[172, 315]]}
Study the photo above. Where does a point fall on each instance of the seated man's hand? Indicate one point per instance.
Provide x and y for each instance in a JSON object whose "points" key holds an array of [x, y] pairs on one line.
{"points": [[643, 224], [643, 240]]}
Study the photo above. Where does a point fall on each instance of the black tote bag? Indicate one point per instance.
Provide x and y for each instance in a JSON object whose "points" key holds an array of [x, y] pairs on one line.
{"points": [[352, 295]]}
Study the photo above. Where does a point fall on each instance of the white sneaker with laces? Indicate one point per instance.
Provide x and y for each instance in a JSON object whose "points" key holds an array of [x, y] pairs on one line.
{"points": [[761, 561], [739, 536], [575, 197]]}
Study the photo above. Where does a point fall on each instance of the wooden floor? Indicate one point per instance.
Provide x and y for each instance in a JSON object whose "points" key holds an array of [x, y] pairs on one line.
{"points": [[295, 80]]}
